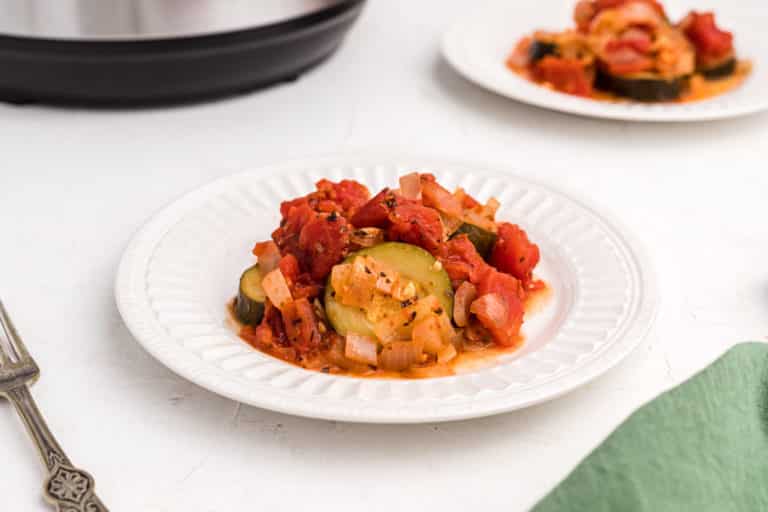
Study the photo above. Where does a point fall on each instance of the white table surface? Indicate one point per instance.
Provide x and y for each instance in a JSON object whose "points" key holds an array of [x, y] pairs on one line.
{"points": [[75, 185]]}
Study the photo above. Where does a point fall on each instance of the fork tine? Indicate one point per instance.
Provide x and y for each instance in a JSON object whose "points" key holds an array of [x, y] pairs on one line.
{"points": [[14, 340]]}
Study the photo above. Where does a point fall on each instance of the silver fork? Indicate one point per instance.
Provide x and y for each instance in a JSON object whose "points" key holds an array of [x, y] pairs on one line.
{"points": [[67, 488]]}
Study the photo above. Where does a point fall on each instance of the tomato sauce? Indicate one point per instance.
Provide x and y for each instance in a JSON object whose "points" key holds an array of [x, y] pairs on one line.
{"points": [[699, 88], [616, 40], [469, 359]]}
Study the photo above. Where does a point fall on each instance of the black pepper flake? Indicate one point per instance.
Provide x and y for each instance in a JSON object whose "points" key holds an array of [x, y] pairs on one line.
{"points": [[333, 293], [406, 303], [382, 274], [439, 311], [522, 259], [332, 217], [411, 318], [367, 270], [390, 202], [388, 281]]}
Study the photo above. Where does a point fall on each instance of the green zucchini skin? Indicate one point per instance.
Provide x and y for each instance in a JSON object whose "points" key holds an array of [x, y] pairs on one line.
{"points": [[642, 88], [412, 263], [722, 70], [251, 299], [540, 49], [482, 240]]}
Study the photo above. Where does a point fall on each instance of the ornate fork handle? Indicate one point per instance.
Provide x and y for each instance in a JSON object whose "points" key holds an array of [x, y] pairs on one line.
{"points": [[68, 488]]}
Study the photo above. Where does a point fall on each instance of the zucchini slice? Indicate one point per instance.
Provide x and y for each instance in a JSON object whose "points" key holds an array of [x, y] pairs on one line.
{"points": [[540, 49], [482, 240], [642, 86], [249, 304], [721, 70], [412, 263]]}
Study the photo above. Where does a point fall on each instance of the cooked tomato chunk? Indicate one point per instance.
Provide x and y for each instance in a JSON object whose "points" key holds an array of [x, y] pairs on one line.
{"points": [[301, 325], [295, 217], [289, 266], [514, 254], [461, 260], [629, 53], [415, 224], [375, 213], [323, 242], [404, 219], [566, 75], [274, 320], [349, 195], [710, 41], [345, 197], [438, 197], [270, 335], [499, 307]]}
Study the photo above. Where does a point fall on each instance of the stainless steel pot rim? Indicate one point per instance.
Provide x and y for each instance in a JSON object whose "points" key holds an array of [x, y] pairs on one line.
{"points": [[131, 20]]}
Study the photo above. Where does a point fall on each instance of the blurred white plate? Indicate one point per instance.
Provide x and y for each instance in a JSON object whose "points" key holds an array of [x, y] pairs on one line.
{"points": [[183, 266], [478, 45]]}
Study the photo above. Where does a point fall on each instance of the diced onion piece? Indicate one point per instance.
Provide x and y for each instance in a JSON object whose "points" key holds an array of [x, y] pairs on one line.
{"points": [[385, 284], [363, 272], [476, 337], [361, 349], [360, 284], [440, 199], [319, 309], [268, 255], [335, 355], [276, 288], [404, 290], [446, 354], [492, 206], [410, 186], [340, 281], [446, 328], [366, 237], [391, 328], [399, 355], [491, 309], [477, 219], [428, 333], [465, 295], [450, 224]]}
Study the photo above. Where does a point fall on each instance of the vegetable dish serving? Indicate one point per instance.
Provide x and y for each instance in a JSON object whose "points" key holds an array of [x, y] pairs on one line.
{"points": [[631, 49], [402, 284]]}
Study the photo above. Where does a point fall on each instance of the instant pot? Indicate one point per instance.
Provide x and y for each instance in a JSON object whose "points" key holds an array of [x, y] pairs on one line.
{"points": [[127, 52]]}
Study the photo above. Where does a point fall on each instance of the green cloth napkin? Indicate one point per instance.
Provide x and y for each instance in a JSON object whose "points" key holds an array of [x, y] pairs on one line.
{"points": [[702, 446]]}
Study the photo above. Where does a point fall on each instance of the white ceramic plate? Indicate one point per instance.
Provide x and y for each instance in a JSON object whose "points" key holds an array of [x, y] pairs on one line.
{"points": [[183, 266], [478, 45]]}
